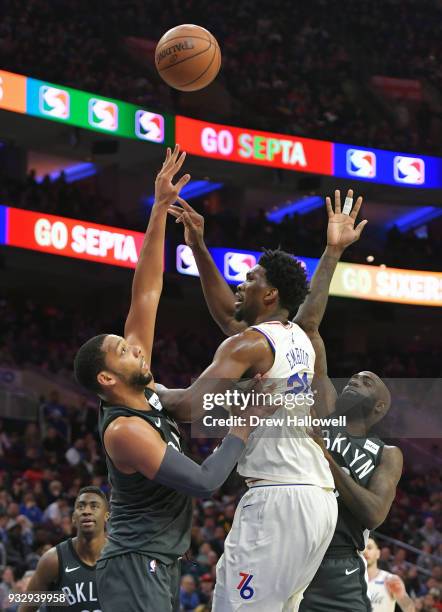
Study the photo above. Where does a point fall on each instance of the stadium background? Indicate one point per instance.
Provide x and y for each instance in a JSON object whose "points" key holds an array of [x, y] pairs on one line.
{"points": [[337, 72]]}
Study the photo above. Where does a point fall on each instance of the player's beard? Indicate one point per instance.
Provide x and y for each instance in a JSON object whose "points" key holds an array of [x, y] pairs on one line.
{"points": [[238, 314], [354, 404], [138, 380]]}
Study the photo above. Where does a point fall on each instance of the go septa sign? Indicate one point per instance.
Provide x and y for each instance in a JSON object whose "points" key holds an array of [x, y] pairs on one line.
{"points": [[72, 238], [254, 147]]}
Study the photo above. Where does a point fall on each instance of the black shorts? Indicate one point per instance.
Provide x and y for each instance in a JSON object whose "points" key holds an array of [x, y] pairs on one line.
{"points": [[136, 583], [338, 586]]}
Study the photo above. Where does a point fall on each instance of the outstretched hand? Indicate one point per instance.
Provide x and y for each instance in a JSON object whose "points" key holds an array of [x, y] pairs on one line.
{"points": [[193, 222], [166, 193], [341, 231]]}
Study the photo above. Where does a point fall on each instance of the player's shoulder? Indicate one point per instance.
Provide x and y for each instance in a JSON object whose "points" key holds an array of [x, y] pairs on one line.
{"points": [[49, 562], [126, 425], [392, 454], [248, 339]]}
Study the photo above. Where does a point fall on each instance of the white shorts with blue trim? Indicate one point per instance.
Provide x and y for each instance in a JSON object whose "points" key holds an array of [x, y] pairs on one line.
{"points": [[279, 536]]}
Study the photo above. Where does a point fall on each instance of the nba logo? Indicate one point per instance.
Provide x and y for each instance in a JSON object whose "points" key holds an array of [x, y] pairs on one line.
{"points": [[236, 266], [185, 261], [103, 115], [361, 163], [152, 566], [410, 170], [54, 102], [149, 126]]}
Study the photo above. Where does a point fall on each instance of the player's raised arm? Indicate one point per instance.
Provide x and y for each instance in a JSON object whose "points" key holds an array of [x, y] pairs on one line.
{"points": [[44, 577], [219, 297], [341, 232], [148, 278]]}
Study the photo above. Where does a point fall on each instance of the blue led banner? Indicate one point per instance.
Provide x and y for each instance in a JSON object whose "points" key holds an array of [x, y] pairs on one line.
{"points": [[233, 264], [388, 167]]}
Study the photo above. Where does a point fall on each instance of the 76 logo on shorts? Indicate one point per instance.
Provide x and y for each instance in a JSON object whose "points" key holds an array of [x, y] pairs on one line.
{"points": [[245, 590]]}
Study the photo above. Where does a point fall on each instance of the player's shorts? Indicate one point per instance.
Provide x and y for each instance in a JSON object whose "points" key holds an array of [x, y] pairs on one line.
{"points": [[279, 536], [133, 582], [340, 585]]}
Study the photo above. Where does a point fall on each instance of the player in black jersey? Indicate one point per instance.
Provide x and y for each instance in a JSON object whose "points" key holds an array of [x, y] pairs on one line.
{"points": [[70, 566], [152, 480], [366, 471]]}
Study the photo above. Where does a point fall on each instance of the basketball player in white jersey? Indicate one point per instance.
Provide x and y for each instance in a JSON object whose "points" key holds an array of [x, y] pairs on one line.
{"points": [[267, 563], [385, 590]]}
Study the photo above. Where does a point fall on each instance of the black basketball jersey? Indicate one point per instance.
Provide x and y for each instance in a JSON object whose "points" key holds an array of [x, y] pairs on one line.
{"points": [[76, 580], [146, 517], [359, 458]]}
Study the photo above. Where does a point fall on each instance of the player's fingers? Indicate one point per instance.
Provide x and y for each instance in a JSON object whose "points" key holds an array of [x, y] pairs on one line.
{"points": [[337, 201], [176, 208], [356, 208], [172, 159], [174, 213], [348, 203], [183, 181], [186, 205], [179, 163], [360, 227], [187, 220], [167, 158], [328, 205]]}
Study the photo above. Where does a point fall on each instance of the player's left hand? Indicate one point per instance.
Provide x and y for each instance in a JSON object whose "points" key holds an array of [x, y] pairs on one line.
{"points": [[193, 222], [341, 231], [166, 193], [396, 587]]}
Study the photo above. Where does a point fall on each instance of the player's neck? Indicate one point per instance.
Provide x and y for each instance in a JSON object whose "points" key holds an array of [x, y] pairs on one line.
{"points": [[136, 400], [356, 427], [373, 571], [278, 315], [89, 549]]}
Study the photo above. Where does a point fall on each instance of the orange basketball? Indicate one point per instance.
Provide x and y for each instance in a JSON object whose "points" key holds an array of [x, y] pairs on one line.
{"points": [[188, 57]]}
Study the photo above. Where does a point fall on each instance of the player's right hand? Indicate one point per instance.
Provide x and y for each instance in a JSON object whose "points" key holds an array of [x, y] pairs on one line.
{"points": [[166, 193], [341, 230], [193, 222]]}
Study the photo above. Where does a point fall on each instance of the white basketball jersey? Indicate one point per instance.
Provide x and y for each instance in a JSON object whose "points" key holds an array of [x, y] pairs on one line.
{"points": [[283, 452], [381, 600]]}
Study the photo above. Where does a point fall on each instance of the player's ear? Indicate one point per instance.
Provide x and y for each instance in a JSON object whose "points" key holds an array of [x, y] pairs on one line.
{"points": [[106, 517], [106, 379], [271, 296], [380, 407]]}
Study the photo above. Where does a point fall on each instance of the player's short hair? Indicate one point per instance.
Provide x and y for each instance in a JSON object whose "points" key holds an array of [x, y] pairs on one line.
{"points": [[288, 276], [88, 363], [375, 540], [96, 491]]}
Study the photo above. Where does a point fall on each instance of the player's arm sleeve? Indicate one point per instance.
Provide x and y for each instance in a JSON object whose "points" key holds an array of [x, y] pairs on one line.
{"points": [[45, 575], [181, 473]]}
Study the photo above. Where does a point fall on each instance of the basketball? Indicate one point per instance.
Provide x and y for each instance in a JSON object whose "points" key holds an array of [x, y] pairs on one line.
{"points": [[188, 57]]}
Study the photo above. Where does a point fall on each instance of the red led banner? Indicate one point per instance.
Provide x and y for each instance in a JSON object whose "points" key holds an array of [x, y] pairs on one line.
{"points": [[253, 147], [73, 238]]}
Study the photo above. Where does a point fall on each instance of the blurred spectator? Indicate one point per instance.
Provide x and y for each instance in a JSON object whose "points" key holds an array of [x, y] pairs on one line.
{"points": [[430, 534], [189, 598]]}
